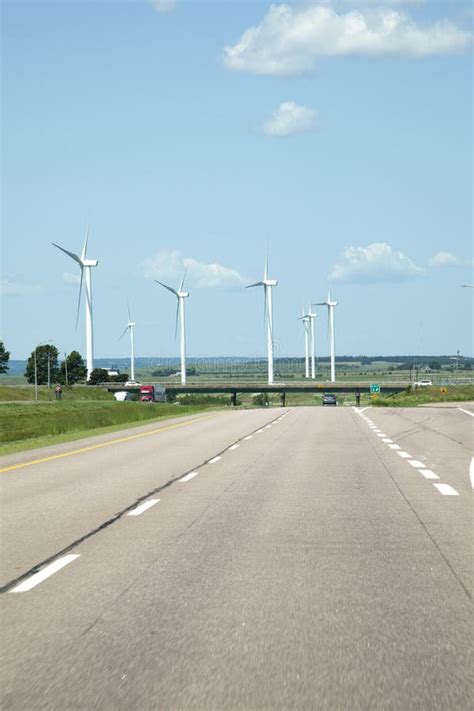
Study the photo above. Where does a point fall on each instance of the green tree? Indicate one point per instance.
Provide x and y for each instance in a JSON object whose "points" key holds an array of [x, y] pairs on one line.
{"points": [[98, 375], [4, 358], [76, 369], [44, 354], [434, 365]]}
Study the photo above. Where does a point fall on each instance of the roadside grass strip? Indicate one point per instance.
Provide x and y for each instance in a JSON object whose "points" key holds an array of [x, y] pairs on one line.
{"points": [[446, 490], [143, 507], [44, 574]]}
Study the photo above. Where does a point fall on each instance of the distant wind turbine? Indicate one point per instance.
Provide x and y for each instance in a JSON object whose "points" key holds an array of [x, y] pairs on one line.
{"points": [[85, 265], [181, 296], [312, 317], [305, 320], [268, 285], [308, 319], [331, 305], [129, 327]]}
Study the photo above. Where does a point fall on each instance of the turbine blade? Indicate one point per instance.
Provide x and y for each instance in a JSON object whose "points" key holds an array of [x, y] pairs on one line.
{"points": [[79, 299], [170, 288], [182, 280], [128, 309], [257, 283], [70, 254], [123, 334], [84, 249], [266, 268]]}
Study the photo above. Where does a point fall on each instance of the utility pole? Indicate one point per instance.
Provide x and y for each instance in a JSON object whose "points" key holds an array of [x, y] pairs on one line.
{"points": [[49, 370], [65, 369]]}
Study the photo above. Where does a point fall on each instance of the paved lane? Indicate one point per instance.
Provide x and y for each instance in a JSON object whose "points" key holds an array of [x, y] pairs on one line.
{"points": [[296, 571], [49, 505]]}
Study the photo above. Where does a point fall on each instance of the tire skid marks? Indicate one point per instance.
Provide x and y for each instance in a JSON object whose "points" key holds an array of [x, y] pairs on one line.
{"points": [[443, 489]]}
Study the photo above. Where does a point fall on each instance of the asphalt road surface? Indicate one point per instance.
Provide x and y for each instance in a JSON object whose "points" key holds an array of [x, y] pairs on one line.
{"points": [[306, 558]]}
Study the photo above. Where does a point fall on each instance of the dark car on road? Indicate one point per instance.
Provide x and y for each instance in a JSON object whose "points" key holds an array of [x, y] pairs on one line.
{"points": [[329, 399]]}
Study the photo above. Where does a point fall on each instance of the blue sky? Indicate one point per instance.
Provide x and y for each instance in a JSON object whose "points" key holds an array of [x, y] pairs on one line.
{"points": [[196, 133]]}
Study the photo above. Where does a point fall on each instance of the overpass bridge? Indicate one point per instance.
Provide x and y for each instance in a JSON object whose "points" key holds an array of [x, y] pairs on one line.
{"points": [[236, 388]]}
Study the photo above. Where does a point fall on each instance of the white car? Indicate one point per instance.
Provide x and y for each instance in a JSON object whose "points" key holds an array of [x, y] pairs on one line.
{"points": [[423, 384], [132, 384]]}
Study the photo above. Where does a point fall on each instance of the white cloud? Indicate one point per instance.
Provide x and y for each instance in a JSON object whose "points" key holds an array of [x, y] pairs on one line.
{"points": [[446, 259], [69, 278], [375, 263], [169, 266], [288, 40], [290, 118], [18, 288], [163, 6]]}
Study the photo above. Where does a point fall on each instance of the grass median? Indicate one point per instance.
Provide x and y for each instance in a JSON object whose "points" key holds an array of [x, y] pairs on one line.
{"points": [[30, 426]]}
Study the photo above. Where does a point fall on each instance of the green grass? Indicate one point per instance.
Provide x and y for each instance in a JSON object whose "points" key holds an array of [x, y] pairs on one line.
{"points": [[423, 396], [25, 426], [22, 393]]}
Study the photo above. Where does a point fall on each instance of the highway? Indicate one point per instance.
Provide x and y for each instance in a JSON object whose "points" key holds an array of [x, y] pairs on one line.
{"points": [[284, 558]]}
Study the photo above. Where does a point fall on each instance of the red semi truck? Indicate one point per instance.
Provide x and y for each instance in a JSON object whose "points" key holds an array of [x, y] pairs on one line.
{"points": [[150, 393]]}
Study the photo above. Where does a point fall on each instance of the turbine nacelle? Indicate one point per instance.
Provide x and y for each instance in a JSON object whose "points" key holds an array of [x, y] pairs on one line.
{"points": [[89, 262]]}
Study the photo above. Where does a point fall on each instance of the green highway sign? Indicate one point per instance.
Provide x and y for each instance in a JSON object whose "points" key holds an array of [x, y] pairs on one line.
{"points": [[374, 388]]}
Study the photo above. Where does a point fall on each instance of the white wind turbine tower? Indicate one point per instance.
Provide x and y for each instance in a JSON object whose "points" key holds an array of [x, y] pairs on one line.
{"points": [[181, 296], [85, 265], [130, 326], [268, 285], [330, 304], [312, 317], [306, 325]]}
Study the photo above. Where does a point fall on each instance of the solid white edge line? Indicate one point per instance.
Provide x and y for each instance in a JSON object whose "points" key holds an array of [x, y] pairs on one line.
{"points": [[446, 490], [188, 477], [214, 460], [466, 411], [471, 472], [143, 507], [41, 575], [416, 463], [428, 474]]}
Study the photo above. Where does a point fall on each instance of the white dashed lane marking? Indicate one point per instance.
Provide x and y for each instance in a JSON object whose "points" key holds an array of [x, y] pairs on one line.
{"points": [[42, 575], [404, 455], [446, 490], [214, 460], [143, 507], [416, 463], [234, 446], [189, 476], [428, 474]]}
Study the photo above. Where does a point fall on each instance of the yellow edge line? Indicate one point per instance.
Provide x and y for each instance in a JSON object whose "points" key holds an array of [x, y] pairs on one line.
{"points": [[105, 444]]}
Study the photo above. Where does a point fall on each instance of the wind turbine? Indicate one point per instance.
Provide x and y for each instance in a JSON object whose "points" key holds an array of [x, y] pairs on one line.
{"points": [[85, 265], [330, 304], [181, 296], [312, 316], [130, 326], [306, 324], [268, 284]]}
